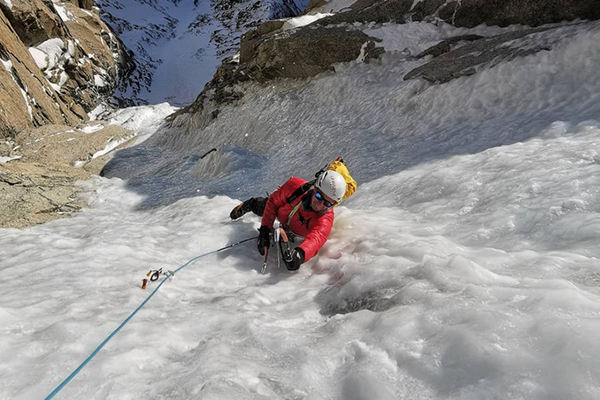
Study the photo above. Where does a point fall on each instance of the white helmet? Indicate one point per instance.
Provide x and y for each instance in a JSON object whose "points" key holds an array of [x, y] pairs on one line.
{"points": [[332, 184]]}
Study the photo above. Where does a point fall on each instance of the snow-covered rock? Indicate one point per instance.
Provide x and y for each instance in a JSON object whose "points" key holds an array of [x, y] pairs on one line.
{"points": [[59, 62], [179, 44]]}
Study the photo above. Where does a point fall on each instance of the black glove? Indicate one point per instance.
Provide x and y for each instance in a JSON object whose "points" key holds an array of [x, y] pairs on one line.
{"points": [[265, 235], [294, 259]]}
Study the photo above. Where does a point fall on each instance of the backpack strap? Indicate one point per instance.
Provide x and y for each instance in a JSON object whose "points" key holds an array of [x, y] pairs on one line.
{"points": [[300, 191]]}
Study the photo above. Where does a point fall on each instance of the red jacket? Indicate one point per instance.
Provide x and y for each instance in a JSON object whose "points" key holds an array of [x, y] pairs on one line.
{"points": [[313, 226]]}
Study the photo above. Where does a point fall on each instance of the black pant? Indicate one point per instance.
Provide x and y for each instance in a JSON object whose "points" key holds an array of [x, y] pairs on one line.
{"points": [[256, 205]]}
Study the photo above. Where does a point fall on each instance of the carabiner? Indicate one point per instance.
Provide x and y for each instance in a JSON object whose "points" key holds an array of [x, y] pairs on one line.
{"points": [[155, 275]]}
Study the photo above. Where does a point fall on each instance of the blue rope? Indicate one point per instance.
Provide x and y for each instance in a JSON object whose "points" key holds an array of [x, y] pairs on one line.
{"points": [[169, 275]]}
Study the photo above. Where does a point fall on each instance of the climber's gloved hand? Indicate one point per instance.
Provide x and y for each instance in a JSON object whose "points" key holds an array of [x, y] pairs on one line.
{"points": [[294, 259], [265, 236]]}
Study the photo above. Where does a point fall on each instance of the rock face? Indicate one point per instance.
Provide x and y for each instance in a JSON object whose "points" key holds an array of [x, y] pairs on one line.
{"points": [[458, 57], [464, 13], [27, 99], [303, 53], [470, 13], [273, 52], [276, 51], [39, 169], [59, 61], [463, 56]]}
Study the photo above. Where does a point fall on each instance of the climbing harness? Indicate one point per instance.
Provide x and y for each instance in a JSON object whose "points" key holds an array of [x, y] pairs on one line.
{"points": [[153, 273], [293, 212]]}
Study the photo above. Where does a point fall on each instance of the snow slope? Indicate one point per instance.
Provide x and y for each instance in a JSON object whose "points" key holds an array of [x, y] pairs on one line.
{"points": [[465, 267]]}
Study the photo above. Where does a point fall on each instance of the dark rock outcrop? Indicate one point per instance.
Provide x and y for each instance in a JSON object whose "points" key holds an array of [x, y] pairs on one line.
{"points": [[467, 13], [448, 44], [468, 56], [35, 21], [302, 53], [272, 52], [470, 13]]}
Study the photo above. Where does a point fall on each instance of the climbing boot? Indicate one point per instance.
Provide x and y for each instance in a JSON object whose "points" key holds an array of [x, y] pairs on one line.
{"points": [[241, 209]]}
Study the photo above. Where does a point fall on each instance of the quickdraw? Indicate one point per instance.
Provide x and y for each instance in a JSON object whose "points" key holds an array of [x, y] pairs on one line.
{"points": [[154, 274]]}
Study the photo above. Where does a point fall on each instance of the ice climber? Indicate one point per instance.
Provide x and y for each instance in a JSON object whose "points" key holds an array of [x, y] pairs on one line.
{"points": [[304, 210]]}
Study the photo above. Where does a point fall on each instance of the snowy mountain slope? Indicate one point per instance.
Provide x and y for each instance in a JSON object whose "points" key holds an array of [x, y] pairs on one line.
{"points": [[463, 277], [179, 44], [465, 267], [363, 111]]}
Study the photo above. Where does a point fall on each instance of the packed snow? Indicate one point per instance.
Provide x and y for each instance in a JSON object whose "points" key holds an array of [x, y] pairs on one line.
{"points": [[4, 160], [302, 20], [63, 13], [8, 3], [465, 266]]}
